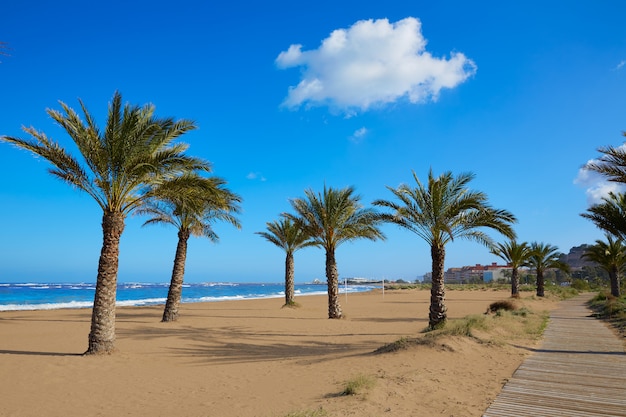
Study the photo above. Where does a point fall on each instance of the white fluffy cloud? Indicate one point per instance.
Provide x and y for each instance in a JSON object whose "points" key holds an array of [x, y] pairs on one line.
{"points": [[374, 62], [596, 186]]}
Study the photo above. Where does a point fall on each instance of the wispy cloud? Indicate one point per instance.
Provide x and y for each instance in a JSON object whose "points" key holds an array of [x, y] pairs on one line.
{"points": [[596, 186], [620, 65], [256, 176], [359, 135], [372, 63]]}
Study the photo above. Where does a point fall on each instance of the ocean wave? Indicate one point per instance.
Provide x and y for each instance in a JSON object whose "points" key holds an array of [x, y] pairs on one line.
{"points": [[48, 306]]}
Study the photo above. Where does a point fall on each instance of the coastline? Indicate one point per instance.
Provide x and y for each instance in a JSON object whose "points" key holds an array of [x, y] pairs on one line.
{"points": [[53, 296], [249, 358]]}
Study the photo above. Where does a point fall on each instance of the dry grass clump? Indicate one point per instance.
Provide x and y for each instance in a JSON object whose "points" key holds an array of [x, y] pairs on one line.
{"points": [[358, 385], [506, 305], [509, 322], [406, 342]]}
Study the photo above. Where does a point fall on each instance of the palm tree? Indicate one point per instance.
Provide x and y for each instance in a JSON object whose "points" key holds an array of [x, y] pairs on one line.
{"points": [[610, 215], [439, 212], [544, 256], [330, 219], [612, 164], [122, 165], [286, 234], [191, 204], [610, 256], [516, 255]]}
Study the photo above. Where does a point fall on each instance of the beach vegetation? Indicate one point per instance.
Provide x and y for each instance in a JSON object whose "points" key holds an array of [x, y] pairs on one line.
{"points": [[330, 218], [505, 325], [440, 211], [358, 385], [516, 255], [611, 257], [506, 305], [289, 236], [191, 203], [544, 256], [611, 309], [122, 165]]}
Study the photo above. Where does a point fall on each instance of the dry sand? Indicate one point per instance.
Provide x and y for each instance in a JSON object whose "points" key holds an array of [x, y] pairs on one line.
{"points": [[254, 358]]}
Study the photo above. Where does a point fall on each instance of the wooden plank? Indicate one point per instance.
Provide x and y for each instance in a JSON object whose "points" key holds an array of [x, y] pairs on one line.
{"points": [[579, 371]]}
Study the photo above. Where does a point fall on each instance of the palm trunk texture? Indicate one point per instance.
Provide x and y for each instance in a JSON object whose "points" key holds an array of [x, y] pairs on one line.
{"points": [[178, 274], [289, 280], [437, 316], [102, 334], [332, 277], [615, 284], [540, 284], [514, 283]]}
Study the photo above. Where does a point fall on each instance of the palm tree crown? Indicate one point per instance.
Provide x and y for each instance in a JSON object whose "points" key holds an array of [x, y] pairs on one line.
{"points": [[334, 217], [443, 210], [122, 167], [610, 256], [286, 234], [610, 215], [612, 164], [192, 203], [331, 218]]}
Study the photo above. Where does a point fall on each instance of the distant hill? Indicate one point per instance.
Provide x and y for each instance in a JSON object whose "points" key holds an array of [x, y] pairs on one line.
{"points": [[574, 257]]}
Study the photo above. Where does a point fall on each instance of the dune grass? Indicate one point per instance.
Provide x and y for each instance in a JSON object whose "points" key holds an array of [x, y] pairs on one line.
{"points": [[506, 323], [358, 385], [611, 309]]}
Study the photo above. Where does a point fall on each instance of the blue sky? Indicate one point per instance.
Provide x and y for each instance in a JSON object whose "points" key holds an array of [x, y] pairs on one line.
{"points": [[289, 97]]}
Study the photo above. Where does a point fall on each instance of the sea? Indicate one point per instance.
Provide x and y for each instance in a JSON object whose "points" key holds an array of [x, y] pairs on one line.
{"points": [[52, 296]]}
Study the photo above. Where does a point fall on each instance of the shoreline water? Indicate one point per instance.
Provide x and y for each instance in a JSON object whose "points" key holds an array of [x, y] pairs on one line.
{"points": [[55, 296]]}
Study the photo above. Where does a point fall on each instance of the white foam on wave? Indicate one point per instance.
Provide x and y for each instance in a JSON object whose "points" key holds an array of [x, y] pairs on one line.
{"points": [[49, 306]]}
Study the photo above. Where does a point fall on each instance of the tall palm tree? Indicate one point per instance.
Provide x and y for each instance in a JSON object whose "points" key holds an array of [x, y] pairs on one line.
{"points": [[330, 219], [286, 234], [516, 255], [610, 215], [122, 164], [191, 204], [610, 256], [544, 256], [443, 210]]}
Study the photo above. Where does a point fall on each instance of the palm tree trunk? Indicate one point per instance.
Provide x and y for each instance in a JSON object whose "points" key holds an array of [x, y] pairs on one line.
{"points": [[289, 280], [176, 284], [615, 284], [514, 283], [332, 278], [540, 283], [102, 334], [437, 316]]}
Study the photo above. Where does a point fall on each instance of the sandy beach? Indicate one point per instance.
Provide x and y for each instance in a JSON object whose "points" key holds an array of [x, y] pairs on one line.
{"points": [[254, 358]]}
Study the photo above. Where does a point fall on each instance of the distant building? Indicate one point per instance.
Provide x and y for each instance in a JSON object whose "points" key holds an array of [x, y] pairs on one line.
{"points": [[476, 273]]}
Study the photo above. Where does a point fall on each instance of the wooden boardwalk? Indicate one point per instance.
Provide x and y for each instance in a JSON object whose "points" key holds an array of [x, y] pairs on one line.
{"points": [[578, 371]]}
